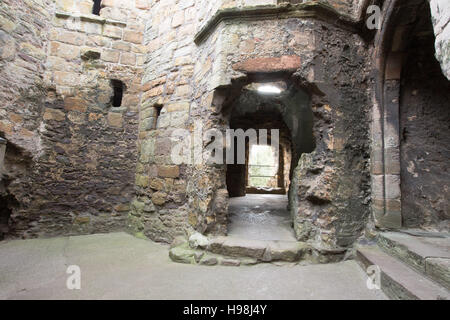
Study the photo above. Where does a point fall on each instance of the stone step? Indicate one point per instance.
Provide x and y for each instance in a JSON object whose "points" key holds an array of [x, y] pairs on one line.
{"points": [[261, 250], [185, 254], [232, 250], [398, 280], [426, 253]]}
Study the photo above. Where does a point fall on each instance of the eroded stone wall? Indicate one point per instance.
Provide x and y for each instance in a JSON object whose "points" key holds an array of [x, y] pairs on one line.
{"points": [[440, 12], [330, 196], [78, 164], [23, 47], [424, 130], [187, 84], [81, 177]]}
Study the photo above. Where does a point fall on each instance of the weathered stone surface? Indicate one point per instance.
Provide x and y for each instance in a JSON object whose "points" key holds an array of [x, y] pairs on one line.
{"points": [[440, 11], [266, 251], [169, 171], [90, 158], [198, 240], [209, 261], [184, 254], [58, 111], [230, 262], [398, 281], [284, 63], [429, 255], [439, 270]]}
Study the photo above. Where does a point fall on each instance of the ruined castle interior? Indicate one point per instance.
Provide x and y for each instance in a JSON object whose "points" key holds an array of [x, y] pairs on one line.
{"points": [[352, 97]]}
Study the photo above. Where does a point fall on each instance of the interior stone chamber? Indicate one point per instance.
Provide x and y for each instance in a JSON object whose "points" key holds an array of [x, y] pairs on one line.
{"points": [[92, 98]]}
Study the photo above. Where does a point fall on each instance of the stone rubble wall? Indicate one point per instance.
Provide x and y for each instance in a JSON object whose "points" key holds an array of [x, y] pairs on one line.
{"points": [[23, 53], [440, 12], [87, 166], [81, 179], [23, 26], [180, 90]]}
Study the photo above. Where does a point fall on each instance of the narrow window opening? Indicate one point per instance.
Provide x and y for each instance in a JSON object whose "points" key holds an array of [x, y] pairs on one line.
{"points": [[118, 88], [158, 109], [97, 6]]}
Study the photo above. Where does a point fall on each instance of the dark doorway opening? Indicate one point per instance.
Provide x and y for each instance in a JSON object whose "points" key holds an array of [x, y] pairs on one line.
{"points": [[118, 90], [261, 204], [267, 165], [97, 7]]}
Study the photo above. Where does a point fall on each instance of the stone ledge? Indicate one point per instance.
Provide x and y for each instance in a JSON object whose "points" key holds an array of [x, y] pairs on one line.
{"points": [[90, 18], [316, 10]]}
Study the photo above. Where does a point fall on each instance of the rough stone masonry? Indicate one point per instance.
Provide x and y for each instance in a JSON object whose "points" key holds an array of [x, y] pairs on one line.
{"points": [[89, 104]]}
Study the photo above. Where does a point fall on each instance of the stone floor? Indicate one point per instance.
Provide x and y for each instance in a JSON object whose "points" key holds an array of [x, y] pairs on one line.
{"points": [[260, 217], [119, 266]]}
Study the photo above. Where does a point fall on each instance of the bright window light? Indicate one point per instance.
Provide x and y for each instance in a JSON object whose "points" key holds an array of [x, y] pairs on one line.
{"points": [[269, 89]]}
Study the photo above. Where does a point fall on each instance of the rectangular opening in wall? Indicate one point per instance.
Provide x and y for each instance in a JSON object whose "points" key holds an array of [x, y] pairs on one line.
{"points": [[118, 90], [263, 167], [97, 7]]}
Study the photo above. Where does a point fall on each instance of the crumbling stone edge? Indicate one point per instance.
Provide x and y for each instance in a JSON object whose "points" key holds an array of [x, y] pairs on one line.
{"points": [[315, 10]]}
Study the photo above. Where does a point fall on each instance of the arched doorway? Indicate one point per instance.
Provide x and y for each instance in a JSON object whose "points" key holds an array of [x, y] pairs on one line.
{"points": [[410, 118]]}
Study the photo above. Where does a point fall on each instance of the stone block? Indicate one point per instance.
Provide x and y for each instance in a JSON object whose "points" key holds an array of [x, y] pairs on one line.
{"points": [[73, 38], [66, 78], [168, 171], [133, 36], [178, 106], [178, 19], [53, 114], [6, 127], [157, 184], [269, 64], [142, 4], [392, 186], [147, 124], [65, 51], [115, 119], [128, 58], [75, 104], [110, 55], [112, 32], [142, 180], [159, 198]]}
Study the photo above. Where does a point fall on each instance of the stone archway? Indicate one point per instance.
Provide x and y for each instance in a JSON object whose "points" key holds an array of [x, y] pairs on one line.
{"points": [[289, 112], [403, 25]]}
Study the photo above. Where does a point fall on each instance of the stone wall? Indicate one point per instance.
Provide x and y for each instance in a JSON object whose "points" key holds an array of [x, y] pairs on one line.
{"points": [[440, 12], [78, 163], [81, 178], [424, 115], [23, 47], [23, 27], [187, 85], [408, 129]]}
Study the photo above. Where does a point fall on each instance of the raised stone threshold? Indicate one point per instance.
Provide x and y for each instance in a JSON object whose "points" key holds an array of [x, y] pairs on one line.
{"points": [[89, 18], [412, 265], [316, 10], [233, 251]]}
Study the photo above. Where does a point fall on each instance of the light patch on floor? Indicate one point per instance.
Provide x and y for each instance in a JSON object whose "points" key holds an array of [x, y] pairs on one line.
{"points": [[260, 217]]}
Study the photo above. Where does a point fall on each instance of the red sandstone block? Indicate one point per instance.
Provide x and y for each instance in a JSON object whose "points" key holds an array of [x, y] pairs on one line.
{"points": [[169, 171], [269, 64], [75, 104]]}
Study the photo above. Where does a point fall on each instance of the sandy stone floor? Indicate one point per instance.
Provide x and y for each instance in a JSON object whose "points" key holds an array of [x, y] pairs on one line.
{"points": [[119, 266]]}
